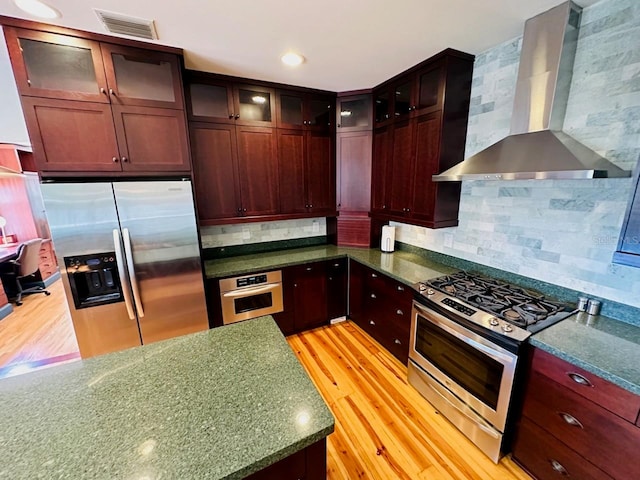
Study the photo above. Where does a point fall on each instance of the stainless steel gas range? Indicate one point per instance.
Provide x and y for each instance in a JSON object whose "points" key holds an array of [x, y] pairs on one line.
{"points": [[467, 333]]}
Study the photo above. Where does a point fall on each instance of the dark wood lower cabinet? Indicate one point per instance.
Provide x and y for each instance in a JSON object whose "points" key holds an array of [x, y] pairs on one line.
{"points": [[381, 306], [309, 295], [337, 278], [307, 464]]}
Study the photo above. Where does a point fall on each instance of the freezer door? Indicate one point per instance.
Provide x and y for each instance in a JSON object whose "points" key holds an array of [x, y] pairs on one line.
{"points": [[159, 233], [82, 218]]}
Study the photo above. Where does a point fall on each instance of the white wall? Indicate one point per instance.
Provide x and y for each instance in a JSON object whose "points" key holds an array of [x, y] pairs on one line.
{"points": [[12, 126]]}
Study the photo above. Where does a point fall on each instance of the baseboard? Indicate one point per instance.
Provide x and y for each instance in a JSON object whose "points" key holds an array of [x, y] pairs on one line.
{"points": [[5, 310], [49, 280], [333, 321]]}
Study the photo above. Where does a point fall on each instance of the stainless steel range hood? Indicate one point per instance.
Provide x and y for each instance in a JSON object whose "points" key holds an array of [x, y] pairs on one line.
{"points": [[536, 147]]}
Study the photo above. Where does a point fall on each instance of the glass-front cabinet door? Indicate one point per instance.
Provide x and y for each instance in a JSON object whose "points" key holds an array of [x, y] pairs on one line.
{"points": [[430, 86], [142, 77], [354, 113], [402, 104], [290, 110], [319, 114], [382, 107], [254, 105], [210, 101], [56, 66]]}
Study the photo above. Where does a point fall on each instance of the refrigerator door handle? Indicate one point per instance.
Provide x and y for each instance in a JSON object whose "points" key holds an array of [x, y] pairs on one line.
{"points": [[132, 272], [124, 280]]}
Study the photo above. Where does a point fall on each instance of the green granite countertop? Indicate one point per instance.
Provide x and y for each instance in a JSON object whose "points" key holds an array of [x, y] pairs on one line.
{"points": [[405, 267], [217, 404], [603, 346]]}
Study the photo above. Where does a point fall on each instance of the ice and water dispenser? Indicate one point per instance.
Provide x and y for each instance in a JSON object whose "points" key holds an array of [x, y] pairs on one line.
{"points": [[93, 279]]}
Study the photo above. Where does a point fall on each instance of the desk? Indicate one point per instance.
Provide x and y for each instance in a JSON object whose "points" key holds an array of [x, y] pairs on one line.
{"points": [[8, 253]]}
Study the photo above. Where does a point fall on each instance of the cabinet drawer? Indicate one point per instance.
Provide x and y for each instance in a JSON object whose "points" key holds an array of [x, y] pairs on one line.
{"points": [[549, 459], [604, 393], [608, 441]]}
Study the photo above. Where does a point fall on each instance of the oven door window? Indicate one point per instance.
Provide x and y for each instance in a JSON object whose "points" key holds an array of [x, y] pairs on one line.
{"points": [[470, 368], [253, 302]]}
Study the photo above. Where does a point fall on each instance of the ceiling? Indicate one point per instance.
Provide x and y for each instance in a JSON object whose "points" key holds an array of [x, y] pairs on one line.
{"points": [[348, 44]]}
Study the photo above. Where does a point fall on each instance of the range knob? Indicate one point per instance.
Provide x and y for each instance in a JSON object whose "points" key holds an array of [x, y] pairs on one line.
{"points": [[422, 287], [431, 291], [493, 321], [507, 328]]}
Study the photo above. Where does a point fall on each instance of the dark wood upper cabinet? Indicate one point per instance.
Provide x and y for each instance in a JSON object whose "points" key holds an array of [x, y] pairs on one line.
{"points": [[304, 111], [141, 77], [291, 155], [321, 174], [210, 101], [354, 114], [167, 152], [56, 66], [425, 134], [254, 105], [628, 251], [71, 136]]}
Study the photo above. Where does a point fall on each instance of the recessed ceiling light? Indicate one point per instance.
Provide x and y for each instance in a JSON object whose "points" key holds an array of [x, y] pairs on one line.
{"points": [[292, 59], [37, 8]]}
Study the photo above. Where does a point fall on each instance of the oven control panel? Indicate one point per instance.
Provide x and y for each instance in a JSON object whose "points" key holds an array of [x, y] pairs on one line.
{"points": [[459, 307], [254, 280]]}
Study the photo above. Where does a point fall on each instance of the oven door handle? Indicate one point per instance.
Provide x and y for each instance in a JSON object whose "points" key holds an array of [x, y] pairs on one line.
{"points": [[444, 324], [470, 414], [250, 291]]}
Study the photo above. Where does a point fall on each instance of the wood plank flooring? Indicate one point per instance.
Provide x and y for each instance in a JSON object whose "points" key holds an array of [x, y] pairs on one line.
{"points": [[384, 429], [39, 329]]}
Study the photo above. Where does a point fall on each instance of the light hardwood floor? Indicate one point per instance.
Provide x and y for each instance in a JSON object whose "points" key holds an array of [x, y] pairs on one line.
{"points": [[384, 429], [39, 329]]}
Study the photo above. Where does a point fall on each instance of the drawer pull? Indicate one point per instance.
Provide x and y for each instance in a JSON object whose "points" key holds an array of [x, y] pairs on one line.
{"points": [[373, 275], [576, 377], [371, 322], [400, 288], [336, 264], [309, 269], [397, 342], [557, 466], [570, 420], [373, 295], [399, 312]]}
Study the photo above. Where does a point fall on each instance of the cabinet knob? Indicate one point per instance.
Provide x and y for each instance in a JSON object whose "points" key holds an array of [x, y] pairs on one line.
{"points": [[28, 81], [399, 312], [237, 116], [102, 90], [112, 92], [338, 125], [336, 264], [125, 159], [309, 269], [576, 377], [295, 285], [371, 322], [114, 159], [400, 288], [373, 295], [239, 209], [397, 342], [231, 115], [570, 420], [311, 206], [373, 275], [244, 209], [557, 466]]}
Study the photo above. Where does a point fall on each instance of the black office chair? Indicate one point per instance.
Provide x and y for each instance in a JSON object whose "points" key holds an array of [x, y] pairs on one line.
{"points": [[17, 273]]}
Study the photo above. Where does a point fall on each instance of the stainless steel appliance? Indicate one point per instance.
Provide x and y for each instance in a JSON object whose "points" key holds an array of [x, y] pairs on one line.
{"points": [[131, 260], [467, 333], [251, 296]]}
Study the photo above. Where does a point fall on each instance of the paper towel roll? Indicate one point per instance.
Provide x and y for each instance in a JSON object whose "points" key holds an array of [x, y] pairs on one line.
{"points": [[387, 243]]}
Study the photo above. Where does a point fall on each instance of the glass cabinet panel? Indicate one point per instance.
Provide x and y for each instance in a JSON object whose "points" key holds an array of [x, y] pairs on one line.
{"points": [[291, 109], [255, 105], [355, 113], [402, 96], [429, 86], [381, 105], [52, 66], [209, 101], [320, 112], [144, 78]]}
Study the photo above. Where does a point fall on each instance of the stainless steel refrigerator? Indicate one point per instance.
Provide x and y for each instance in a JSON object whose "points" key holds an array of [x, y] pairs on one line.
{"points": [[130, 261]]}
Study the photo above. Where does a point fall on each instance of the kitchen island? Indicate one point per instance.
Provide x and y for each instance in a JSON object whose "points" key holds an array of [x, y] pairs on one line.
{"points": [[223, 403]]}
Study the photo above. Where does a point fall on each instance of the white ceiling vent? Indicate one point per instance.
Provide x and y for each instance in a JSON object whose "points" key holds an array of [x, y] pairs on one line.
{"points": [[126, 25]]}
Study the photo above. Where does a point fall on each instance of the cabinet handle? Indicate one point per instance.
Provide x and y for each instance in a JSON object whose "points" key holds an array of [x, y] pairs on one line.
{"points": [[397, 342], [309, 269], [125, 159], [576, 377], [557, 466], [400, 288], [237, 116], [371, 322], [114, 159], [399, 312], [570, 420], [112, 92], [373, 295], [336, 264], [373, 275]]}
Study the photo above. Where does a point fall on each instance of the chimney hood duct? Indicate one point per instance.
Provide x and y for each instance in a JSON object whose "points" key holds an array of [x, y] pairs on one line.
{"points": [[536, 147]]}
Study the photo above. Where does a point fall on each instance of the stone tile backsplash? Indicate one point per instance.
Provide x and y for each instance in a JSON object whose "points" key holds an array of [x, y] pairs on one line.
{"points": [[560, 231], [247, 233]]}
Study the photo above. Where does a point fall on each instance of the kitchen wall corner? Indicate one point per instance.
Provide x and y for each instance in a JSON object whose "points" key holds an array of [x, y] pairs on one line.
{"points": [[249, 233], [560, 231]]}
